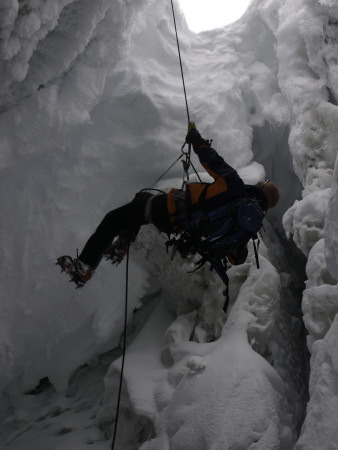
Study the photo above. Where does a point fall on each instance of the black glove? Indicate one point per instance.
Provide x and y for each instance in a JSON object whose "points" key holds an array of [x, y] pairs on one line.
{"points": [[193, 137]]}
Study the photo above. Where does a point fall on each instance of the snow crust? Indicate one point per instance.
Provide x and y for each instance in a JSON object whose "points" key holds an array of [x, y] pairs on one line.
{"points": [[330, 230], [91, 111]]}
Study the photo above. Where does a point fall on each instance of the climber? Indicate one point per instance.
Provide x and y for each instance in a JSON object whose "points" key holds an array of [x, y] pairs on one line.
{"points": [[171, 213]]}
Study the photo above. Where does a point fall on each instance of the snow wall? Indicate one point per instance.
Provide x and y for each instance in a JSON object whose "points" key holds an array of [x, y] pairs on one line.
{"points": [[92, 110]]}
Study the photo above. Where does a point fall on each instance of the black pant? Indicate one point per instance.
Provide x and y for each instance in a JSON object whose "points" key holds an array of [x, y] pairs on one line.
{"points": [[129, 217]]}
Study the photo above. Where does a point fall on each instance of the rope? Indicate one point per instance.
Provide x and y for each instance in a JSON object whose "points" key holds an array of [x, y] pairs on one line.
{"points": [[179, 56], [127, 265], [188, 161], [164, 173], [124, 349], [199, 178]]}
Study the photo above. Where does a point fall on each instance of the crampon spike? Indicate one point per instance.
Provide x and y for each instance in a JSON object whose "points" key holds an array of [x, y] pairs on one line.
{"points": [[78, 271]]}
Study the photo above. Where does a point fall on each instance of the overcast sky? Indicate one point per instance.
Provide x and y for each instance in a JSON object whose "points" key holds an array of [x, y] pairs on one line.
{"points": [[207, 14]]}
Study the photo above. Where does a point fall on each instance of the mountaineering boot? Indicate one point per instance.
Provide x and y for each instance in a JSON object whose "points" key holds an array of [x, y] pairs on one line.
{"points": [[118, 249], [79, 272]]}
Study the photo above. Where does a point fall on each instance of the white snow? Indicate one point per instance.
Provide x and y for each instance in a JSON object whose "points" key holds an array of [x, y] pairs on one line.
{"points": [[305, 219], [331, 224], [92, 110]]}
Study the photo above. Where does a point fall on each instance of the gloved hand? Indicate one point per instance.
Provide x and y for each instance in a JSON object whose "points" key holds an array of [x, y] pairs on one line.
{"points": [[193, 137], [192, 133], [191, 125]]}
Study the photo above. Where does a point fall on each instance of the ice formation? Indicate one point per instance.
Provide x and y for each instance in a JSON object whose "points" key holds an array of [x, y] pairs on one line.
{"points": [[91, 111]]}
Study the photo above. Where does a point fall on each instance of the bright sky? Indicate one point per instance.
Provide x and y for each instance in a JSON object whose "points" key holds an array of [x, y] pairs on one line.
{"points": [[204, 15]]}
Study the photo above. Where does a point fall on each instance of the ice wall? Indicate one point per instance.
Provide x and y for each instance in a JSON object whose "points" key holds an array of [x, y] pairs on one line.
{"points": [[92, 110], [80, 134], [308, 77]]}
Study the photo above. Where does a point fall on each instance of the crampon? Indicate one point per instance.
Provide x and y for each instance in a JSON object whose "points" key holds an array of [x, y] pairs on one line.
{"points": [[78, 271], [119, 248]]}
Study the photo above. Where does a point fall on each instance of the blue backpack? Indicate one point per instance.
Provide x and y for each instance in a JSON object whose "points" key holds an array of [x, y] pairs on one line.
{"points": [[216, 234], [219, 232]]}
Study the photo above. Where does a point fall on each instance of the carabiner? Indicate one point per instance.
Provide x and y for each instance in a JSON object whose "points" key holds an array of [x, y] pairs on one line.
{"points": [[182, 149]]}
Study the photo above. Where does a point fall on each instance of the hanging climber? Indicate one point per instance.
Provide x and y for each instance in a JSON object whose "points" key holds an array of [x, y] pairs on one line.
{"points": [[215, 220]]}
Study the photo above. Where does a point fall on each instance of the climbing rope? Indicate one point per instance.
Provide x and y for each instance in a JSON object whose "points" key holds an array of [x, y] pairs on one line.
{"points": [[186, 164], [151, 188], [180, 59], [123, 349]]}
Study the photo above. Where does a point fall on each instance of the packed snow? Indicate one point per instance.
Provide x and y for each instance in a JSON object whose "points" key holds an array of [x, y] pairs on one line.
{"points": [[92, 110]]}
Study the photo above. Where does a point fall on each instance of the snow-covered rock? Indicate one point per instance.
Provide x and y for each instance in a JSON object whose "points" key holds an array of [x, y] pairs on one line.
{"points": [[92, 110]]}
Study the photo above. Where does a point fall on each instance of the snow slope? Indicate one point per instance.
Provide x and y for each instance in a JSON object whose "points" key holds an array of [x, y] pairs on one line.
{"points": [[91, 111]]}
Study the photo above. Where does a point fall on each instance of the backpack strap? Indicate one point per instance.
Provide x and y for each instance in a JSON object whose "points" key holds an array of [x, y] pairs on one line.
{"points": [[221, 269], [226, 295]]}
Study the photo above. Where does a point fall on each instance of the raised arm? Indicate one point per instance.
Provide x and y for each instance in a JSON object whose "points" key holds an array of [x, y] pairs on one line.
{"points": [[213, 163]]}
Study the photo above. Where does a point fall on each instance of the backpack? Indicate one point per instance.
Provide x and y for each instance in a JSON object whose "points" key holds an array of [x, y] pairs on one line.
{"points": [[217, 233]]}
